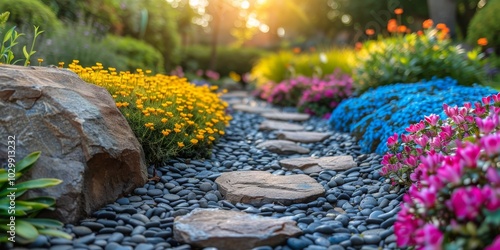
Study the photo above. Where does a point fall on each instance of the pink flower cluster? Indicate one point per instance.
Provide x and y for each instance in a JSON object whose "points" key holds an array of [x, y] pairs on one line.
{"points": [[450, 166], [313, 95]]}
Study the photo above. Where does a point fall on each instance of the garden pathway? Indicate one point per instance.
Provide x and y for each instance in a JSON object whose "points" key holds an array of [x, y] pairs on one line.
{"points": [[326, 195]]}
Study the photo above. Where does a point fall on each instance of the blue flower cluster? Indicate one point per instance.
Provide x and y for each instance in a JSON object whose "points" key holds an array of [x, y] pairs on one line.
{"points": [[381, 112]]}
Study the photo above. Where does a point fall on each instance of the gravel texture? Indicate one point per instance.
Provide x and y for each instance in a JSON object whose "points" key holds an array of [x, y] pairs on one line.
{"points": [[357, 211]]}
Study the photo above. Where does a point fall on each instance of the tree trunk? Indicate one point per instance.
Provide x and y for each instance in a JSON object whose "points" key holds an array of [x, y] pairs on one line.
{"points": [[444, 11]]}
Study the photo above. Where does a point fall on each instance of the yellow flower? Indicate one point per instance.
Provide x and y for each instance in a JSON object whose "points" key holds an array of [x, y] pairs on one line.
{"points": [[221, 132], [164, 120], [194, 141], [165, 132], [180, 144], [177, 130], [211, 138], [200, 136]]}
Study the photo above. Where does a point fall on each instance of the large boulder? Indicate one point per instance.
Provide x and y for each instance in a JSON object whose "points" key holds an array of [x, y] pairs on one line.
{"points": [[84, 139]]}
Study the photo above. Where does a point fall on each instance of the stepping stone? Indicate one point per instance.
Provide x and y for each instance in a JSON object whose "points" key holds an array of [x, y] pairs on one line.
{"points": [[234, 101], [302, 136], [315, 165], [259, 187], [252, 109], [283, 147], [275, 125], [229, 230], [286, 116], [236, 94]]}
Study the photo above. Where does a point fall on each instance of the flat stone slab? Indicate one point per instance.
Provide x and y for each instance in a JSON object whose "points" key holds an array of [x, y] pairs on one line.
{"points": [[314, 165], [303, 136], [283, 147], [253, 109], [286, 116], [229, 230], [276, 125], [260, 187], [236, 94]]}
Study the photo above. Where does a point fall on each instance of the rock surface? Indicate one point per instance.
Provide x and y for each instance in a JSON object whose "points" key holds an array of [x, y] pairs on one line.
{"points": [[275, 125], [253, 109], [229, 230], [313, 165], [283, 147], [303, 136], [260, 187], [84, 139], [286, 116]]}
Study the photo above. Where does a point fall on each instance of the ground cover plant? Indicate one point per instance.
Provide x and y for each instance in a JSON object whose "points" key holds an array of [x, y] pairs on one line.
{"points": [[377, 114], [25, 228], [312, 95], [408, 58], [450, 166], [170, 116]]}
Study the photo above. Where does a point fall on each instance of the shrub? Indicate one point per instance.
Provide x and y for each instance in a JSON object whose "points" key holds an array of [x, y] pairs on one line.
{"points": [[27, 228], [169, 116], [29, 13], [230, 59], [78, 41], [152, 21], [377, 114], [283, 65], [451, 165], [313, 95], [486, 24], [414, 57], [138, 54]]}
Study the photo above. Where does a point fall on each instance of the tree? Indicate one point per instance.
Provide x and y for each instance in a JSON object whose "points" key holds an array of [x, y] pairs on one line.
{"points": [[444, 11]]}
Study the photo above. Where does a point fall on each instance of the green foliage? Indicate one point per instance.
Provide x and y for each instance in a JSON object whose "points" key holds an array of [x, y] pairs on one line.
{"points": [[29, 13], [412, 57], [486, 23], [80, 42], [287, 64], [27, 228], [154, 22], [138, 54], [10, 40], [239, 60]]}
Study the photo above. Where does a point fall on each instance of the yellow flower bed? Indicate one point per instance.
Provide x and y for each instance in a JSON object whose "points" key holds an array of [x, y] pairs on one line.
{"points": [[170, 116]]}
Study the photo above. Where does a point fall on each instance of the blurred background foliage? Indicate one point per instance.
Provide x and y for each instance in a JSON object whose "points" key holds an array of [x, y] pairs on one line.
{"points": [[221, 35]]}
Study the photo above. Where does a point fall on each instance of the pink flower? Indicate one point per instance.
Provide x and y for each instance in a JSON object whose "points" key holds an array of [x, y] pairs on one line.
{"points": [[469, 155], [466, 202], [406, 138], [404, 227], [450, 173], [496, 98], [427, 196], [436, 142], [491, 144], [450, 111], [413, 128], [392, 140], [479, 110], [495, 245], [432, 119], [429, 236], [493, 175], [422, 141], [487, 124], [486, 100], [492, 197]]}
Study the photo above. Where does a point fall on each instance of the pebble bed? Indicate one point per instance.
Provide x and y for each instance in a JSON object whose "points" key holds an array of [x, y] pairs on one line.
{"points": [[357, 211]]}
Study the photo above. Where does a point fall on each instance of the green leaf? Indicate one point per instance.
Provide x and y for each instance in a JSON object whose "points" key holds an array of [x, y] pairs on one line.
{"points": [[34, 205], [55, 233], [25, 52], [26, 230], [44, 223], [8, 35], [27, 162], [32, 184], [4, 17]]}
